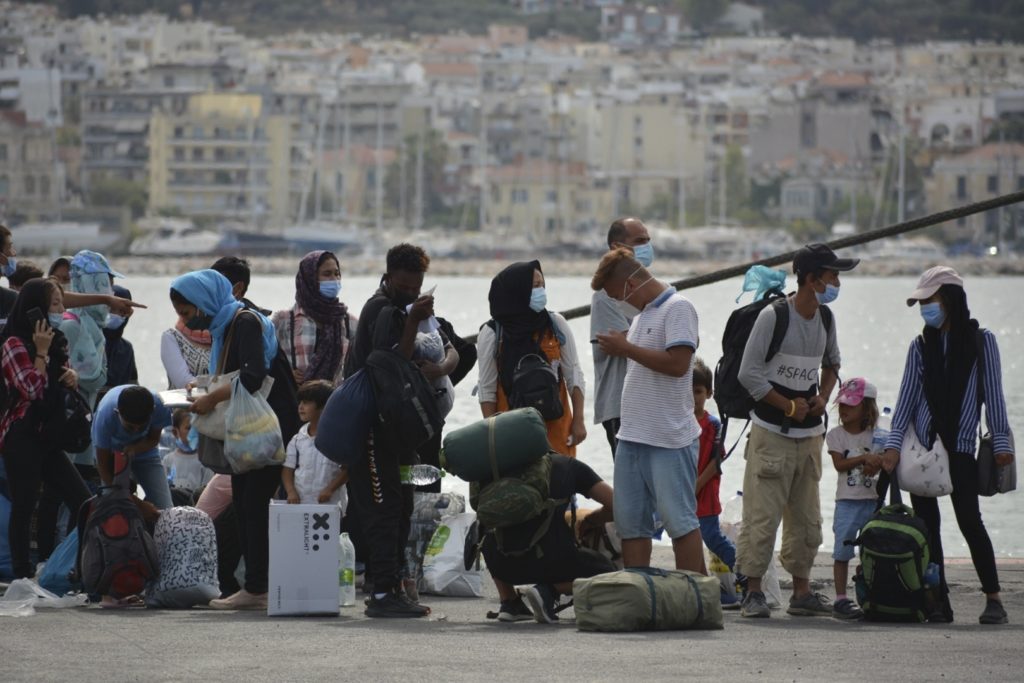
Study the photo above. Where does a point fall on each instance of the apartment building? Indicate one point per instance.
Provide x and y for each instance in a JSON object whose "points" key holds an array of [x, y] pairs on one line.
{"points": [[30, 177]]}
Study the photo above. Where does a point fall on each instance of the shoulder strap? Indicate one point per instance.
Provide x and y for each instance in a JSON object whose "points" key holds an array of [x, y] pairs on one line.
{"points": [[227, 342], [291, 334], [826, 318], [781, 307]]}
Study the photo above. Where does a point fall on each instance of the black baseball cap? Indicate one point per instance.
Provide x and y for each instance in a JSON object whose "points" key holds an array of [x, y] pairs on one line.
{"points": [[814, 257]]}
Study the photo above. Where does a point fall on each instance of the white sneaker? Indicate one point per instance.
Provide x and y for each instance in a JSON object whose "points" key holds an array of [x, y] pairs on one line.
{"points": [[243, 599]]}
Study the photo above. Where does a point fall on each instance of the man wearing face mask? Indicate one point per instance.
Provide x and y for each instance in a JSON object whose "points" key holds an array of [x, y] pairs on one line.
{"points": [[378, 500], [783, 469], [120, 353], [609, 315]]}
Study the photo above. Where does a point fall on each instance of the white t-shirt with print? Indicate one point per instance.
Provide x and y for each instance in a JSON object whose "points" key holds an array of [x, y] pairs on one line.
{"points": [[852, 485], [313, 471]]}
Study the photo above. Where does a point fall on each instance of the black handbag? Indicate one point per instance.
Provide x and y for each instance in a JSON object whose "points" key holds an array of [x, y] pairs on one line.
{"points": [[992, 478]]}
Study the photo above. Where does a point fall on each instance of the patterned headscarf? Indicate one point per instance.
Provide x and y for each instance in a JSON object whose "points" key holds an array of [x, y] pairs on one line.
{"points": [[328, 314]]}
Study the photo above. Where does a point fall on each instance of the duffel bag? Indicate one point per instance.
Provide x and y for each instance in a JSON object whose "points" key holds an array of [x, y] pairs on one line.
{"points": [[647, 599], [494, 447]]}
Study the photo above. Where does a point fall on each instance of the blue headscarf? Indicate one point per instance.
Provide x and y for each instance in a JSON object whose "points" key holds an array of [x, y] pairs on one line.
{"points": [[210, 292]]}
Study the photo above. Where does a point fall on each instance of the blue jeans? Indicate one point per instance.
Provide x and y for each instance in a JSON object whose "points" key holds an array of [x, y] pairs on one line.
{"points": [[149, 472], [716, 541]]}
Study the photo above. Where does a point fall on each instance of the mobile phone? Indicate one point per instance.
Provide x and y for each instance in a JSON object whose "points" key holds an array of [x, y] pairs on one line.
{"points": [[34, 316]]}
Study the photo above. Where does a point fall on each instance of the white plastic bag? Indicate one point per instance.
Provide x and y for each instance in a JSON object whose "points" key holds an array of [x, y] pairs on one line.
{"points": [[732, 520], [23, 596], [252, 433], [444, 563]]}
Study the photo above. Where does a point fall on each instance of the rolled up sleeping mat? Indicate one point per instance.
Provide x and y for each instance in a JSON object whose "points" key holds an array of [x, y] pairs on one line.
{"points": [[493, 447]]}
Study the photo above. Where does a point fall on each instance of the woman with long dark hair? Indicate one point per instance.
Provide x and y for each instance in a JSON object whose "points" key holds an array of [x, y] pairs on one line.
{"points": [[939, 399], [315, 333], [34, 361], [246, 341]]}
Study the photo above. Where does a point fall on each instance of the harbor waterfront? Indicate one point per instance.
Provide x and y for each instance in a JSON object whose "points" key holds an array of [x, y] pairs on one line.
{"points": [[874, 325]]}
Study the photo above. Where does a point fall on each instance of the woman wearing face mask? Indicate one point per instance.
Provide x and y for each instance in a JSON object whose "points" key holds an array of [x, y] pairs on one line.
{"points": [[247, 342], [34, 361], [90, 274], [519, 315], [315, 333], [939, 399]]}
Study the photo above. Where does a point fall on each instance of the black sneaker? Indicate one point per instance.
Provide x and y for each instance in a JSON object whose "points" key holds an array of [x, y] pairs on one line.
{"points": [[542, 599], [994, 613], [395, 606], [846, 610], [514, 610]]}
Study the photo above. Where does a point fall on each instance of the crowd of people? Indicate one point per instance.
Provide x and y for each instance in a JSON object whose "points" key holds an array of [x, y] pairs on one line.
{"points": [[63, 332]]}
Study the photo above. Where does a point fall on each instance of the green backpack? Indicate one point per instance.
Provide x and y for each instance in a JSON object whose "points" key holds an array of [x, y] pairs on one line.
{"points": [[515, 499]]}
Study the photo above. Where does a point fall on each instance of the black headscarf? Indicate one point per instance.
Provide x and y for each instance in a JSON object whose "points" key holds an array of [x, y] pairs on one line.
{"points": [[946, 373], [521, 326], [35, 294]]}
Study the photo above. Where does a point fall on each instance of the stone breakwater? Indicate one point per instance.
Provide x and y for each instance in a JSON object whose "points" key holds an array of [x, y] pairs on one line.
{"points": [[581, 267]]}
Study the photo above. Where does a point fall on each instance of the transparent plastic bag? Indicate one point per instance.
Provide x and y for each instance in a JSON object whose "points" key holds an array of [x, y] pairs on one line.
{"points": [[732, 521], [23, 596], [253, 433]]}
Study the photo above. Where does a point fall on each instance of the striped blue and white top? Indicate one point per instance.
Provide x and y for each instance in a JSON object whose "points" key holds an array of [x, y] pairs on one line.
{"points": [[912, 407]]}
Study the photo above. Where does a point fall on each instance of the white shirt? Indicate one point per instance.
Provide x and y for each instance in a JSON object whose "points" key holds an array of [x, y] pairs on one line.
{"points": [[852, 484], [487, 364], [189, 473], [657, 409], [313, 471]]}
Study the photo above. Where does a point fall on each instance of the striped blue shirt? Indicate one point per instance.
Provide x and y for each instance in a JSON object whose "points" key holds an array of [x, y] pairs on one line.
{"points": [[912, 407]]}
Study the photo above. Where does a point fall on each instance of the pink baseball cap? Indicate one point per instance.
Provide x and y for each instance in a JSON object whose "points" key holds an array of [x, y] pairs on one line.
{"points": [[931, 280], [856, 390]]}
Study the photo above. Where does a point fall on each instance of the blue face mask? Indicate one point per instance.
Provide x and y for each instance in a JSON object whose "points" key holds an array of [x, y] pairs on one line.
{"points": [[193, 439], [114, 321], [184, 447], [644, 254], [329, 289], [8, 269], [538, 299], [830, 294], [933, 314], [55, 319]]}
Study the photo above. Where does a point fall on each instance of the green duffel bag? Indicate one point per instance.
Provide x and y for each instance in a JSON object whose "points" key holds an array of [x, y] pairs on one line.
{"points": [[494, 447], [647, 599]]}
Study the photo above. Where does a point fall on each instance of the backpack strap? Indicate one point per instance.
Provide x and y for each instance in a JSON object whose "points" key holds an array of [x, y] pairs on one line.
{"points": [[492, 422], [546, 517], [781, 308]]}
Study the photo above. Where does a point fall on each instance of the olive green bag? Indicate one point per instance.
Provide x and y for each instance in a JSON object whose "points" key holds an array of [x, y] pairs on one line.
{"points": [[647, 599]]}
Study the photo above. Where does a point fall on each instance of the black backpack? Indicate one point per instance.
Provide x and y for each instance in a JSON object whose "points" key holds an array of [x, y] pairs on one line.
{"points": [[731, 397], [406, 402], [535, 383], [116, 554], [890, 581], [76, 432]]}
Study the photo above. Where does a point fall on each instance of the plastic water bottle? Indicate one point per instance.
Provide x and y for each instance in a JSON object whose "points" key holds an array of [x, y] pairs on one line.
{"points": [[882, 427], [420, 475], [931, 575], [346, 572]]}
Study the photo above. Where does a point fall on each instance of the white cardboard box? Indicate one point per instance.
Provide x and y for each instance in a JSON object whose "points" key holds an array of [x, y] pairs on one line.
{"points": [[303, 559]]}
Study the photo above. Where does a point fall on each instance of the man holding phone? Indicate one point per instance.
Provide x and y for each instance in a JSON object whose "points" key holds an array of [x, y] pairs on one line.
{"points": [[377, 498]]}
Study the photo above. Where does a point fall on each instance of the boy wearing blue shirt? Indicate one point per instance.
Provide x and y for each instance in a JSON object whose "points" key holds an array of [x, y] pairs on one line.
{"points": [[129, 419]]}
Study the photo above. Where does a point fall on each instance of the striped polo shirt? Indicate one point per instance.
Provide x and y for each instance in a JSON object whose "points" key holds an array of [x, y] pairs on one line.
{"points": [[912, 406], [657, 409]]}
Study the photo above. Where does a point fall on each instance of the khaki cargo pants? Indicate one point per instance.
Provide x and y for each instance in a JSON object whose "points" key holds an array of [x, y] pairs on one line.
{"points": [[780, 484]]}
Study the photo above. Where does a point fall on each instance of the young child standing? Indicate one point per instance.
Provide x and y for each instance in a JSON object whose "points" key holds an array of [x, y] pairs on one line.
{"points": [[182, 464], [709, 476], [849, 444], [308, 476]]}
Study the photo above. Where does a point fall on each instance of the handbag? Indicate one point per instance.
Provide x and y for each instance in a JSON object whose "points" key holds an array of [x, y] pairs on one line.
{"points": [[923, 471], [992, 478], [212, 424], [211, 455]]}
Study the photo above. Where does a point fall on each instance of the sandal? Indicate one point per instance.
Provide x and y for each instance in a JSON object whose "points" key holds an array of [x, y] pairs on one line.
{"points": [[129, 602]]}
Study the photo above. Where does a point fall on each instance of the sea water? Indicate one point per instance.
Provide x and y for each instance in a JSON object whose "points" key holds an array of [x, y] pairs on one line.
{"points": [[874, 324]]}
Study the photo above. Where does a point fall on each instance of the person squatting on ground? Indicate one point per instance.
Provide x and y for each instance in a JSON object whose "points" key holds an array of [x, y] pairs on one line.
{"points": [[659, 438], [783, 452]]}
